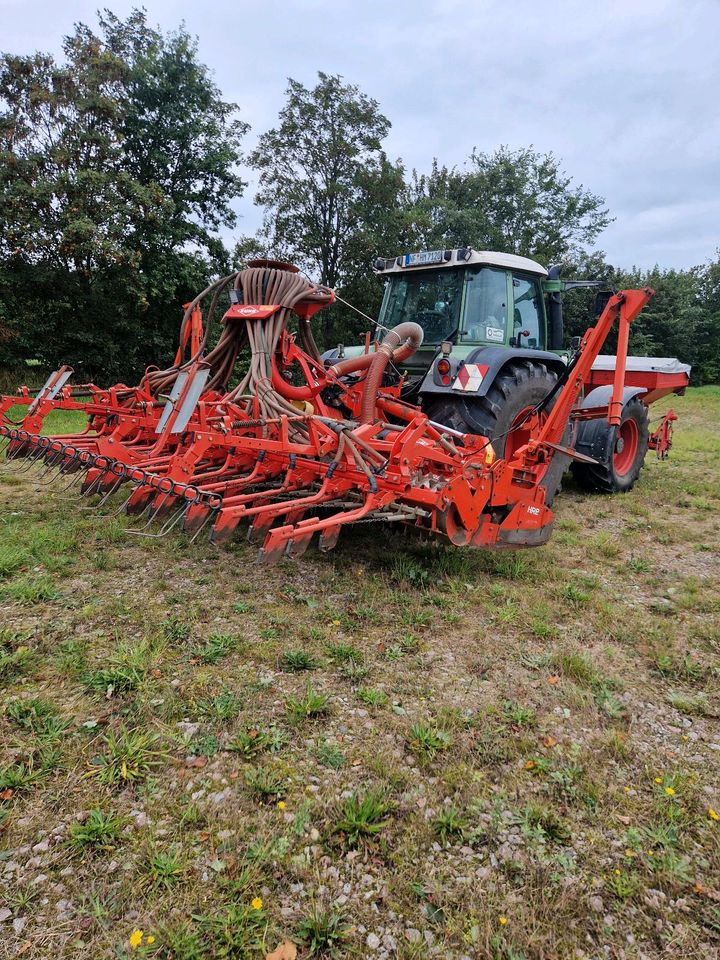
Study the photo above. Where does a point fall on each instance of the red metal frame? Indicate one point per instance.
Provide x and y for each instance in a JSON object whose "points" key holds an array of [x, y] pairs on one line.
{"points": [[227, 464]]}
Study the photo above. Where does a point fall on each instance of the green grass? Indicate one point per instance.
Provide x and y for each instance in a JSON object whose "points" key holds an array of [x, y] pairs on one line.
{"points": [[363, 816], [308, 706], [128, 756], [509, 723], [99, 831]]}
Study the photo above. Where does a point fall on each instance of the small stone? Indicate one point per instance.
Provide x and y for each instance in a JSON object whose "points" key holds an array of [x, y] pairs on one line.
{"points": [[19, 924], [596, 904], [373, 941], [5, 914], [42, 847], [412, 935]]}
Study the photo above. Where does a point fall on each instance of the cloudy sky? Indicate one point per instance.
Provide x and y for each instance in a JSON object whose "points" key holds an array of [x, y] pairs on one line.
{"points": [[625, 92]]}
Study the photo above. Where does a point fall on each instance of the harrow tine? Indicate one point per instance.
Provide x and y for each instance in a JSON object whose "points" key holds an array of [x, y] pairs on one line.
{"points": [[29, 461], [89, 491], [141, 530], [75, 478], [16, 453], [54, 460], [166, 527], [123, 505], [113, 489], [212, 511]]}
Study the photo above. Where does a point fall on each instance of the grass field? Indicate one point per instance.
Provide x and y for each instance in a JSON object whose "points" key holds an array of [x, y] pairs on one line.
{"points": [[395, 750]]}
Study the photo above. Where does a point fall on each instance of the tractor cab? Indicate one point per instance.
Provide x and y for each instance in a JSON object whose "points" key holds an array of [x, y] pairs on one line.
{"points": [[466, 297]]}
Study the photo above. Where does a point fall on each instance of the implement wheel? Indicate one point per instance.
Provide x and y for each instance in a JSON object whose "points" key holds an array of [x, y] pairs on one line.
{"points": [[620, 451], [504, 414]]}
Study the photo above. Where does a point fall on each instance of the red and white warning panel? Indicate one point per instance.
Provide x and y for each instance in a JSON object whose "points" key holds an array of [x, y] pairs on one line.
{"points": [[470, 376]]}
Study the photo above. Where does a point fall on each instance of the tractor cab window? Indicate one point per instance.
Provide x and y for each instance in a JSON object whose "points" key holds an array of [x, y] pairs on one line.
{"points": [[528, 327], [486, 311], [431, 298]]}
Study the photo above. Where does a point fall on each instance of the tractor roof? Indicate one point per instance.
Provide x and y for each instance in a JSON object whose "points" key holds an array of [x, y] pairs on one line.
{"points": [[462, 256]]}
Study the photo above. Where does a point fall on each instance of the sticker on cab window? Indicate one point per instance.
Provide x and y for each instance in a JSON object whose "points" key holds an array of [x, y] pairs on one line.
{"points": [[495, 333]]}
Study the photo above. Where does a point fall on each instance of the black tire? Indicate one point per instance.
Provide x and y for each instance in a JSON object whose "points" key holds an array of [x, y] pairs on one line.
{"points": [[620, 451], [521, 384]]}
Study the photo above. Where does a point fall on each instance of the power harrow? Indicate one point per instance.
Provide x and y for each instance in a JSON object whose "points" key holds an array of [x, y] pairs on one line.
{"points": [[298, 447]]}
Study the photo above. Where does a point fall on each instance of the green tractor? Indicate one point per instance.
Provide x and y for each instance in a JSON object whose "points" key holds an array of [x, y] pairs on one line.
{"points": [[493, 352]]}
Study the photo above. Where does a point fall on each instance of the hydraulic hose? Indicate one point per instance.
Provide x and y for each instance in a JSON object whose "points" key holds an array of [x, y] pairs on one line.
{"points": [[405, 350], [397, 345]]}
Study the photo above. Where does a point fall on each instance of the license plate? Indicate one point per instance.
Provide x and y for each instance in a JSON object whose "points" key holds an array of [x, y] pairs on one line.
{"points": [[427, 256]]}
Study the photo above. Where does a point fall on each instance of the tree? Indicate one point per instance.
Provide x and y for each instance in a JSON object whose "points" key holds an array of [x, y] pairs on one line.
{"points": [[330, 194], [117, 167], [517, 201]]}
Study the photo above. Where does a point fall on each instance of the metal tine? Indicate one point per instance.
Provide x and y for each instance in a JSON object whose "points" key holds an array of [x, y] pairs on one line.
{"points": [[126, 501], [22, 447], [31, 461], [16, 452], [51, 464], [212, 513], [25, 462], [166, 527], [153, 514], [90, 492], [115, 487], [76, 477]]}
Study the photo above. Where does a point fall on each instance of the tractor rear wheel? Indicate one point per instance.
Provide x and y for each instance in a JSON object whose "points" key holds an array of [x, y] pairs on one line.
{"points": [[619, 451], [499, 415]]}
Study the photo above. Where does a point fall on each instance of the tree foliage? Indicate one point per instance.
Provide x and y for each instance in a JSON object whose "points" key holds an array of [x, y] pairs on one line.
{"points": [[517, 201], [116, 168], [119, 167], [330, 194]]}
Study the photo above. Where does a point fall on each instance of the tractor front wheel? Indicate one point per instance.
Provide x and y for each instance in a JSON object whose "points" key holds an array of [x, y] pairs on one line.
{"points": [[619, 450]]}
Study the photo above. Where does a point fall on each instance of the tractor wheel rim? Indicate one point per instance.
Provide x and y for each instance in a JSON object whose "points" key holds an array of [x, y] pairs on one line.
{"points": [[626, 447]]}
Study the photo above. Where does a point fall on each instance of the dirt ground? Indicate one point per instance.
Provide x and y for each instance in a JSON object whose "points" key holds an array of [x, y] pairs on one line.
{"points": [[394, 750]]}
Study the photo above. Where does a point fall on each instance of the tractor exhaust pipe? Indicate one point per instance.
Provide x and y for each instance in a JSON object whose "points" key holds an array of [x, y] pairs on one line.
{"points": [[555, 311]]}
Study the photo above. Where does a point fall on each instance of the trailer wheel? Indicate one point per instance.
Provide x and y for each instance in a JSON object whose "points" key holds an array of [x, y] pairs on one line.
{"points": [[620, 451], [499, 414]]}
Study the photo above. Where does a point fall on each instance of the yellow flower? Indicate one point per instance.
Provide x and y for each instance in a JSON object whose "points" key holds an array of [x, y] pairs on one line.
{"points": [[135, 939], [149, 940], [617, 873], [503, 921], [658, 779], [256, 903], [336, 623], [713, 814], [281, 804], [669, 791]]}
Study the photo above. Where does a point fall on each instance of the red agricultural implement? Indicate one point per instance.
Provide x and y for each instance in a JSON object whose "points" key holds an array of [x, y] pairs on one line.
{"points": [[303, 446]]}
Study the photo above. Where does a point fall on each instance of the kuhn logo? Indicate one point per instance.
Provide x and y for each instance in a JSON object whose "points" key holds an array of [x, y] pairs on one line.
{"points": [[535, 511], [248, 311]]}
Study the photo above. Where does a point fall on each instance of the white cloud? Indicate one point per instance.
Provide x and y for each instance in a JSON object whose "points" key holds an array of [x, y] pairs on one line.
{"points": [[624, 92]]}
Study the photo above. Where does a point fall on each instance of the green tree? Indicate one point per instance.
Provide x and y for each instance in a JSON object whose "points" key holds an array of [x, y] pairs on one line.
{"points": [[331, 196], [117, 167], [514, 201]]}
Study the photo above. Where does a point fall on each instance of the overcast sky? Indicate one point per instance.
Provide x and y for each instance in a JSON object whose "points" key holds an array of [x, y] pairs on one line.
{"points": [[624, 92]]}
